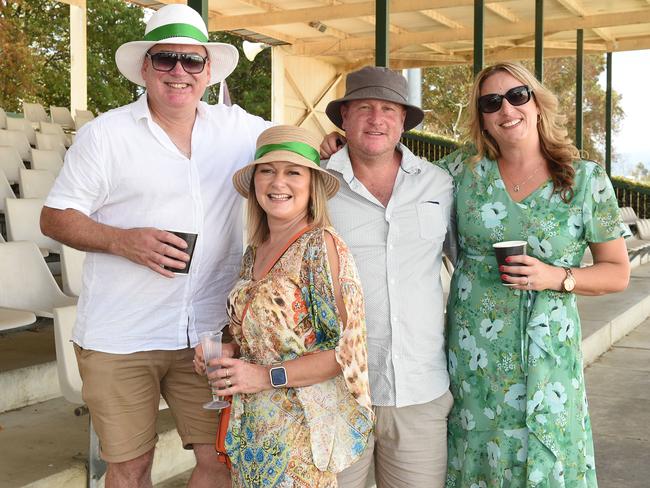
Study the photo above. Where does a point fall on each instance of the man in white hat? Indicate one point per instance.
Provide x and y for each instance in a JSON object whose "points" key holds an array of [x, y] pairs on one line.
{"points": [[163, 163], [393, 209]]}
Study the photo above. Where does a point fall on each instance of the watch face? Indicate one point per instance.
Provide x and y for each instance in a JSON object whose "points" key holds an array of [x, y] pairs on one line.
{"points": [[278, 376], [569, 284]]}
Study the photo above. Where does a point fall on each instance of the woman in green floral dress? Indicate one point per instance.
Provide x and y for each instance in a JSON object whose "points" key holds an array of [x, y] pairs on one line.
{"points": [[520, 416]]}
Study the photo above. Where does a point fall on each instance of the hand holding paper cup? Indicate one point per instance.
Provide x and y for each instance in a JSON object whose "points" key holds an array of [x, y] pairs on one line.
{"points": [[508, 248], [190, 239]]}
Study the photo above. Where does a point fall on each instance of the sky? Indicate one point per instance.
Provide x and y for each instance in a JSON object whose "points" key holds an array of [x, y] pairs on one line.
{"points": [[630, 77]]}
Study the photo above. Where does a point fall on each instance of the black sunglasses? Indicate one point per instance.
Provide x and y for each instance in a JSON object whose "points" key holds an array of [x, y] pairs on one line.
{"points": [[166, 61], [516, 96]]}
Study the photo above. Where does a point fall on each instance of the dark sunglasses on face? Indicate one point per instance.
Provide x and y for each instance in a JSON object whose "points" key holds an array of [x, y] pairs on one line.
{"points": [[166, 61], [516, 96]]}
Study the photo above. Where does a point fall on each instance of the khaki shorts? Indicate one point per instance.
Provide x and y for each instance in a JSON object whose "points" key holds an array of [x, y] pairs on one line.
{"points": [[408, 447], [123, 391]]}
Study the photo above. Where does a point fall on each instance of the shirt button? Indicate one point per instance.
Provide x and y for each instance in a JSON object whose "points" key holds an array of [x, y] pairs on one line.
{"points": [[395, 356], [392, 281], [390, 246], [394, 318]]}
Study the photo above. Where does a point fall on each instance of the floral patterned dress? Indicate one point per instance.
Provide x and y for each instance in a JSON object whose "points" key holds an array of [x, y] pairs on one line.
{"points": [[299, 437], [520, 415]]}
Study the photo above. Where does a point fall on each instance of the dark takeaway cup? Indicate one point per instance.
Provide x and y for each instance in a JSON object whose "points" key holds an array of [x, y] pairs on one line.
{"points": [[508, 248], [190, 239]]}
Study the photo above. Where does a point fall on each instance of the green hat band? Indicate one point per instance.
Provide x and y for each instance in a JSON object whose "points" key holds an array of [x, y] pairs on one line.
{"points": [[175, 30], [300, 148]]}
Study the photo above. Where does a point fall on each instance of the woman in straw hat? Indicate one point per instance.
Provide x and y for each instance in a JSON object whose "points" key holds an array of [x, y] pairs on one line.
{"points": [[301, 402]]}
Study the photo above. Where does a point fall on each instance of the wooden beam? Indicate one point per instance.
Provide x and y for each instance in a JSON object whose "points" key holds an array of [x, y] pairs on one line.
{"points": [[442, 19], [574, 7], [343, 11], [503, 12], [634, 17]]}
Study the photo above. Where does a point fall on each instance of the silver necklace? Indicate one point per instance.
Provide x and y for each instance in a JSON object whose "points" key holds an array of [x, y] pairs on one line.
{"points": [[517, 186]]}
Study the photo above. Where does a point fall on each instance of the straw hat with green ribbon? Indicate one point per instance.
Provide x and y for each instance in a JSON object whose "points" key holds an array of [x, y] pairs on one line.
{"points": [[176, 24], [286, 143]]}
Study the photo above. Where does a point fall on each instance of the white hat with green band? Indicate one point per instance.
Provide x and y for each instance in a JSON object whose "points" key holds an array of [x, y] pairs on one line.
{"points": [[176, 24]]}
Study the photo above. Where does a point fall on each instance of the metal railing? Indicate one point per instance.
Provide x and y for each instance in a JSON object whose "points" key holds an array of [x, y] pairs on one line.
{"points": [[633, 194], [428, 147]]}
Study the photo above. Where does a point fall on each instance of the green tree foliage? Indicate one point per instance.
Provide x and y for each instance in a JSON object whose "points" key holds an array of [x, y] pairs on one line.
{"points": [[16, 55], [250, 84], [35, 65], [111, 23], [446, 89]]}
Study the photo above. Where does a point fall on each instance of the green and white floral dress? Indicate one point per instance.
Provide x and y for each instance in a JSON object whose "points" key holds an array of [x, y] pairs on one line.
{"points": [[520, 415]]}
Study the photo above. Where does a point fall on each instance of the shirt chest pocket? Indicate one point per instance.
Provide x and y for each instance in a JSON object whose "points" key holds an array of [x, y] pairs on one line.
{"points": [[431, 221]]}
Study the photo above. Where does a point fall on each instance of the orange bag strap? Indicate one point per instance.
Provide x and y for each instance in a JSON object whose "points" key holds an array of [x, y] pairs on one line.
{"points": [[220, 446]]}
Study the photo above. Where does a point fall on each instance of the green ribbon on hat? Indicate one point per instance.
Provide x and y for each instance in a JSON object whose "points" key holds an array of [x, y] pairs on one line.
{"points": [[300, 148], [176, 30]]}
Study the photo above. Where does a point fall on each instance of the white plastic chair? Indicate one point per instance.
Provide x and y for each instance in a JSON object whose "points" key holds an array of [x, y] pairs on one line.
{"points": [[72, 261], [35, 112], [11, 163], [66, 361], [18, 140], [48, 159], [22, 125], [50, 142], [12, 319], [3, 118], [62, 116], [83, 117], [35, 183], [6, 192], [23, 217], [57, 130], [26, 282]]}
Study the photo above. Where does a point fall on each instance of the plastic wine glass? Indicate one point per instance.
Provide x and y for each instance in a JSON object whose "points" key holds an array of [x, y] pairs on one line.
{"points": [[211, 342]]}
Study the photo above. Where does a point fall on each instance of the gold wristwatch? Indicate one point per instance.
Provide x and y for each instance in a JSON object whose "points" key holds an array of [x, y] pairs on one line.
{"points": [[569, 282]]}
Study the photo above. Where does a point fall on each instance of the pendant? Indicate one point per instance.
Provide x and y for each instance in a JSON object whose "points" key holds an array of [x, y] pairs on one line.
{"points": [[516, 188]]}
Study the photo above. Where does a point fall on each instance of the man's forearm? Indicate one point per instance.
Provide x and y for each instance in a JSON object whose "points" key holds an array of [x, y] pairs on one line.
{"points": [[77, 230]]}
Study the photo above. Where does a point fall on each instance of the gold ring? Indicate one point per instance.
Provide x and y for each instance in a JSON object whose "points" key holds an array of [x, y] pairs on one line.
{"points": [[228, 382]]}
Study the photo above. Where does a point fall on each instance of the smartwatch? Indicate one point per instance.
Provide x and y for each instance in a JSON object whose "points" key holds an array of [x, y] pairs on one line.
{"points": [[569, 282], [278, 376]]}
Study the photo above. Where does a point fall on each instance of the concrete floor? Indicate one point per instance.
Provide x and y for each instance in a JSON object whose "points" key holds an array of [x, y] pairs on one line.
{"points": [[618, 387]]}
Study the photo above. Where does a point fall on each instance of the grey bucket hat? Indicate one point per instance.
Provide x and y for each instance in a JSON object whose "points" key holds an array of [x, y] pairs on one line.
{"points": [[376, 83]]}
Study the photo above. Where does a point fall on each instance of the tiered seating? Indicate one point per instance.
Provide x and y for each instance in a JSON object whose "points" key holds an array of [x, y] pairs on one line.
{"points": [[26, 282], [62, 116], [11, 163], [48, 160], [35, 113], [35, 183], [50, 142], [23, 224], [22, 125], [19, 141], [57, 130], [83, 117]]}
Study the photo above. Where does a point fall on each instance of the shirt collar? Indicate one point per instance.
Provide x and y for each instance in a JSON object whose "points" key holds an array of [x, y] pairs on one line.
{"points": [[140, 109], [340, 162]]}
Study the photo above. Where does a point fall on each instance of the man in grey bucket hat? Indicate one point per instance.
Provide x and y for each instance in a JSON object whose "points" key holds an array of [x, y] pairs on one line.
{"points": [[393, 210]]}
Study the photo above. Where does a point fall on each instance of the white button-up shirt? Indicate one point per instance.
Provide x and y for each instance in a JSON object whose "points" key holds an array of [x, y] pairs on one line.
{"points": [[398, 250], [124, 171]]}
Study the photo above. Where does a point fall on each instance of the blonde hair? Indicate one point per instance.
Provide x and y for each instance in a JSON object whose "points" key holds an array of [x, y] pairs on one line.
{"points": [[317, 213], [555, 145]]}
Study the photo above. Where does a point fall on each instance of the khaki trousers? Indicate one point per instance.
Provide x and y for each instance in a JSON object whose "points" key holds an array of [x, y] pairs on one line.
{"points": [[408, 446]]}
